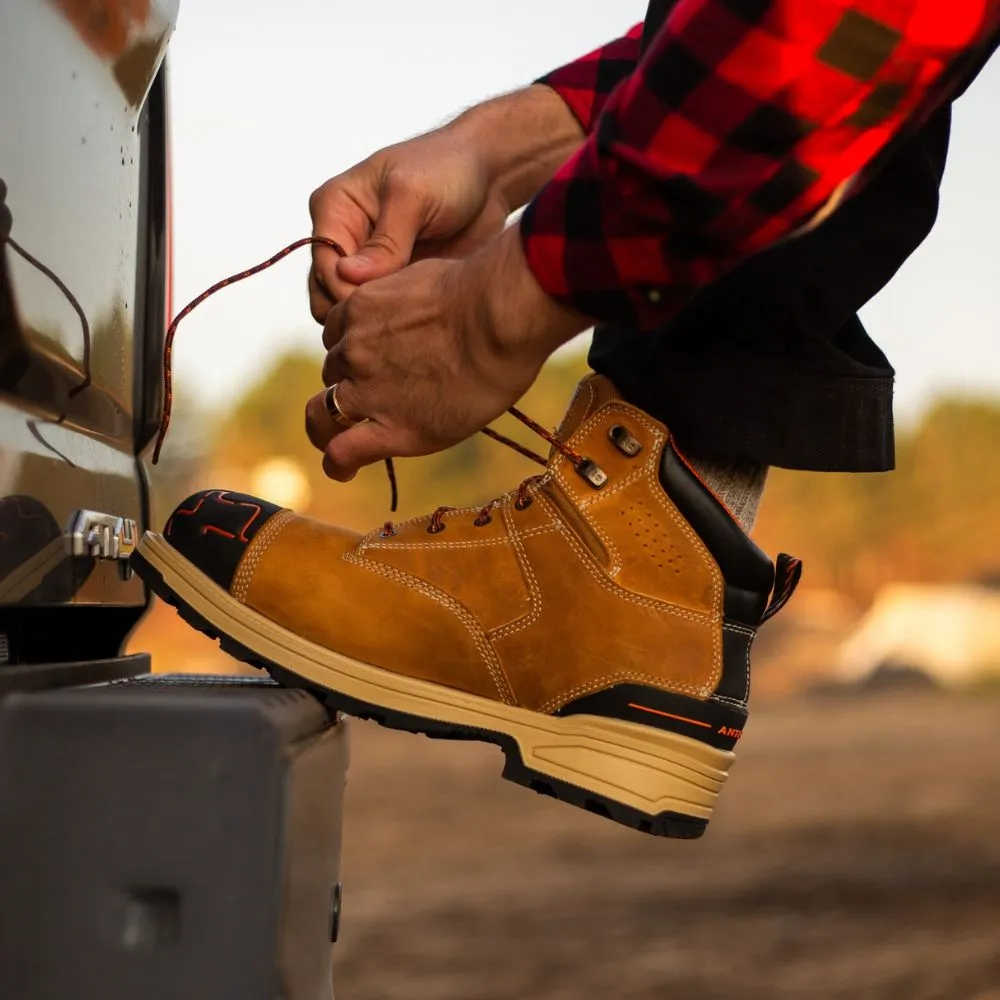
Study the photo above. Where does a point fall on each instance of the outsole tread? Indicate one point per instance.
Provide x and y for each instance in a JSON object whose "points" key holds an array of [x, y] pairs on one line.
{"points": [[672, 825]]}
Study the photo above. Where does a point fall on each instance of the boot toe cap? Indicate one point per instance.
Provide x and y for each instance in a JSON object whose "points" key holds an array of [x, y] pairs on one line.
{"points": [[213, 528]]}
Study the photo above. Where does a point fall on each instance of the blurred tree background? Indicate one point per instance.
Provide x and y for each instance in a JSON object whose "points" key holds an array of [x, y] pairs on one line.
{"points": [[933, 519]]}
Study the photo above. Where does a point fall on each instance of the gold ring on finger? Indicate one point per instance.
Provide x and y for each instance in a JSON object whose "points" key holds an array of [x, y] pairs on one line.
{"points": [[335, 410]]}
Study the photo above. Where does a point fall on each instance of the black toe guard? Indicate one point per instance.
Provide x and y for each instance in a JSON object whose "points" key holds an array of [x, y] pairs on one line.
{"points": [[213, 528]]}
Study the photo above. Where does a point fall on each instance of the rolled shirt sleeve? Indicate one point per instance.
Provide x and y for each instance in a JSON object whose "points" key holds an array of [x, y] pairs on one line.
{"points": [[587, 83], [737, 125]]}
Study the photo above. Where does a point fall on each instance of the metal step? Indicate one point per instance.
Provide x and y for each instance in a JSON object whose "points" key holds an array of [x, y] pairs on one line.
{"points": [[169, 837]]}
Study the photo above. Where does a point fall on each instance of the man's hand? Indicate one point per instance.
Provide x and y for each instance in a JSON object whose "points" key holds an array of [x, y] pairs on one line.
{"points": [[444, 194], [429, 356], [426, 197]]}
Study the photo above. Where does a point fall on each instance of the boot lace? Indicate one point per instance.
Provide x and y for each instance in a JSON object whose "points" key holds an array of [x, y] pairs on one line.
{"points": [[522, 499]]}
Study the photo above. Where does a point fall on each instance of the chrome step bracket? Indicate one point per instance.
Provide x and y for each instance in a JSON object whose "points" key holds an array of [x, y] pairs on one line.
{"points": [[95, 535]]}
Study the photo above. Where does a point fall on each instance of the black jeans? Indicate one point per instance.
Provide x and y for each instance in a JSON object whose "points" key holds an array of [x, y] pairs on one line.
{"points": [[771, 362]]}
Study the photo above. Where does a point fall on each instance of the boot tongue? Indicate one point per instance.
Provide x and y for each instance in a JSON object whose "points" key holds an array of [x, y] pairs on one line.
{"points": [[593, 392]]}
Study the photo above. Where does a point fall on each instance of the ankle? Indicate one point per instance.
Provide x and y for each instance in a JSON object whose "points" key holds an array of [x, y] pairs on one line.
{"points": [[738, 483]]}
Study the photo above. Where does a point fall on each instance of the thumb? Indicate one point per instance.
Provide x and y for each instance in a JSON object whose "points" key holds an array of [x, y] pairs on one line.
{"points": [[390, 245], [358, 446]]}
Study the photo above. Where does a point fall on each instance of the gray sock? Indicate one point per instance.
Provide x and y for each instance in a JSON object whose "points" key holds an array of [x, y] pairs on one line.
{"points": [[739, 484]]}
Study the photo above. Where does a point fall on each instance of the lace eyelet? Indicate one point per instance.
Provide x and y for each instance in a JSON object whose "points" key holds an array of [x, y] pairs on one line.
{"points": [[523, 504], [432, 530], [623, 439], [592, 473], [481, 522]]}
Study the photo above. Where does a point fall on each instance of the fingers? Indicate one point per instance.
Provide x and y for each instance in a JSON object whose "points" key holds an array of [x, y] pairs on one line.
{"points": [[343, 209], [320, 300], [320, 425], [326, 289], [335, 368], [352, 352], [347, 449], [332, 471], [326, 286], [359, 446], [337, 215], [401, 217], [335, 326], [351, 356], [322, 430]]}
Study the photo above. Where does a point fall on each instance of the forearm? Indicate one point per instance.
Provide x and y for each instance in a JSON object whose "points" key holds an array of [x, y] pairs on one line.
{"points": [[521, 140]]}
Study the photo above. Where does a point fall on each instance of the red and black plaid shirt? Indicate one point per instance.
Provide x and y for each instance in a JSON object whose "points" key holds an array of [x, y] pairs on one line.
{"points": [[737, 124]]}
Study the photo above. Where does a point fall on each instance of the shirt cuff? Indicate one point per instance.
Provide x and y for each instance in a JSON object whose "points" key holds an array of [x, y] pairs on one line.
{"points": [[612, 277], [586, 83]]}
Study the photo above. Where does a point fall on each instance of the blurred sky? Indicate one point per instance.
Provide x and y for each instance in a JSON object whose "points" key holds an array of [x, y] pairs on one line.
{"points": [[269, 100]]}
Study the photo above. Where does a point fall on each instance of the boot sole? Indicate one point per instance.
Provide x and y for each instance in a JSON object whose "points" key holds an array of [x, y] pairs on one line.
{"points": [[648, 779]]}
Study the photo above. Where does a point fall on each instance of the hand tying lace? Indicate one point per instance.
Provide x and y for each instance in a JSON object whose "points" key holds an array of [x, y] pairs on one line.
{"points": [[581, 464]]}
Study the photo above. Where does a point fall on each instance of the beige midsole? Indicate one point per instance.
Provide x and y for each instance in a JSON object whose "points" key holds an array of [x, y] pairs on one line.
{"points": [[648, 769]]}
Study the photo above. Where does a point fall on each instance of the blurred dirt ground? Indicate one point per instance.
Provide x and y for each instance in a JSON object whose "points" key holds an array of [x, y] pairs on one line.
{"points": [[854, 854]]}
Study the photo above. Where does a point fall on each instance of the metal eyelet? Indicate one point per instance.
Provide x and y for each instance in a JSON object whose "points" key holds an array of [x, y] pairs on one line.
{"points": [[431, 530], [523, 504], [624, 441], [592, 472], [481, 522]]}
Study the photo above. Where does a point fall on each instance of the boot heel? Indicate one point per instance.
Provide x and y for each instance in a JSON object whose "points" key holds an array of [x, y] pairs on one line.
{"points": [[657, 782]]}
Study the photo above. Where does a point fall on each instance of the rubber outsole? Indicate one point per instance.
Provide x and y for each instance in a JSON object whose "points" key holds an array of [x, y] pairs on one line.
{"points": [[665, 824]]}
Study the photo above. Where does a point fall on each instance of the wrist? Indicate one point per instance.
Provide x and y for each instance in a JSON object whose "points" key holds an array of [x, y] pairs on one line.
{"points": [[512, 311], [521, 139]]}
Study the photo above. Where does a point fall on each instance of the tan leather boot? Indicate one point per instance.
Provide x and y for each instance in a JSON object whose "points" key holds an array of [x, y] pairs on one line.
{"points": [[595, 623]]}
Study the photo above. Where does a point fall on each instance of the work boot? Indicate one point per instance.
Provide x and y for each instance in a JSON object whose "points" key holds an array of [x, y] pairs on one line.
{"points": [[595, 622]]}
